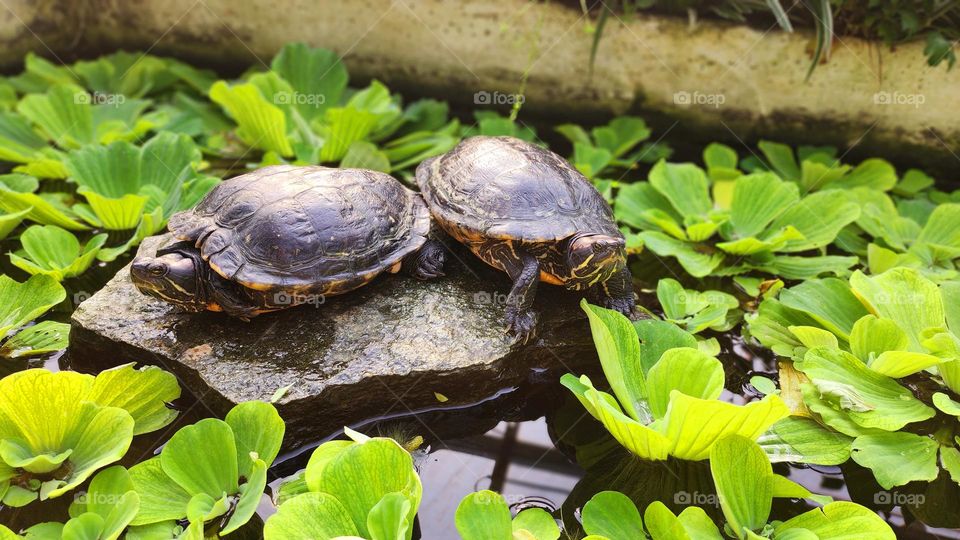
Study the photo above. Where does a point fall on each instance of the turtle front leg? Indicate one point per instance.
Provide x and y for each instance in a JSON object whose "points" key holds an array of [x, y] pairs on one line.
{"points": [[520, 316], [427, 262], [224, 296], [616, 293]]}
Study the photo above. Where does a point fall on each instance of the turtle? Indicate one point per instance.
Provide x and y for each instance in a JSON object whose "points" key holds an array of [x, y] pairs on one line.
{"points": [[526, 211], [286, 235]]}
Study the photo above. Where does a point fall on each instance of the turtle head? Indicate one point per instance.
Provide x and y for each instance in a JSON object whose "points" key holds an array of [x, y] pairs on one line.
{"points": [[173, 275], [594, 258]]}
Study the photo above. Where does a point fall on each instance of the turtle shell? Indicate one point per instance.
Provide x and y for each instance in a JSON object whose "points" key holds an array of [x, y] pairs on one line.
{"points": [[506, 188], [286, 227]]}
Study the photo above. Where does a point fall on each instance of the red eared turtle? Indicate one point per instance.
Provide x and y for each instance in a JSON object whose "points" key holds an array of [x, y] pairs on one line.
{"points": [[528, 212], [284, 235]]}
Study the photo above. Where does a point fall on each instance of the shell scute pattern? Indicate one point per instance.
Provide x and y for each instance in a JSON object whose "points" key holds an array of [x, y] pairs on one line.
{"points": [[505, 188], [306, 227]]}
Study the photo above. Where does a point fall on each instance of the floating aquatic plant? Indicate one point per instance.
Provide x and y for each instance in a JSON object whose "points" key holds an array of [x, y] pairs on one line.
{"points": [[21, 303], [212, 470], [762, 224], [50, 250], [852, 344], [611, 146], [67, 116], [746, 487], [669, 408], [484, 515], [101, 513], [364, 488], [300, 110], [57, 429], [696, 311]]}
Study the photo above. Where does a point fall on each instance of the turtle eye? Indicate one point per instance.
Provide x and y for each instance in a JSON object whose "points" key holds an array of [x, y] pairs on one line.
{"points": [[598, 247], [157, 269]]}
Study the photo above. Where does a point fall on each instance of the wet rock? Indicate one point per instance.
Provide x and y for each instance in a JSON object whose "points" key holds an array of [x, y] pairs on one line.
{"points": [[386, 349]]}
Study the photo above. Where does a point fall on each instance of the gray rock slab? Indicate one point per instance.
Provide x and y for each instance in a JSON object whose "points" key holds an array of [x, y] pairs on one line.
{"points": [[385, 349]]}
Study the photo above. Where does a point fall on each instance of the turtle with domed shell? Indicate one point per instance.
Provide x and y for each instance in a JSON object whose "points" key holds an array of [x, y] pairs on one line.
{"points": [[526, 211], [285, 235]]}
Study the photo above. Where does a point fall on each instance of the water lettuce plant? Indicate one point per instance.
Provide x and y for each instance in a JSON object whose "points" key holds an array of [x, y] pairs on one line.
{"points": [[364, 488], [302, 110], [103, 512], [667, 406], [58, 429], [484, 515], [614, 145], [914, 233], [20, 193], [21, 303], [55, 252], [746, 486], [66, 115], [756, 223], [696, 311], [209, 473], [860, 351]]}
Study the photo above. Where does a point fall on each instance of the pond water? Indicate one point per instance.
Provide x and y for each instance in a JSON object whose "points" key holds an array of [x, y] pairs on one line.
{"points": [[521, 442]]}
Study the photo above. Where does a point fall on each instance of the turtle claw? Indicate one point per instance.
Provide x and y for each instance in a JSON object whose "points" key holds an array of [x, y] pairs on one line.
{"points": [[522, 324], [428, 263]]}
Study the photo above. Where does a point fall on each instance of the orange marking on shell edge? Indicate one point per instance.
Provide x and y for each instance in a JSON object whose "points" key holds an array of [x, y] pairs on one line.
{"points": [[213, 306], [396, 267]]}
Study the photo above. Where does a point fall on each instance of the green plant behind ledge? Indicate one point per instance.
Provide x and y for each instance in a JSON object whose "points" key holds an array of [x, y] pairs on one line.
{"points": [[891, 22]]}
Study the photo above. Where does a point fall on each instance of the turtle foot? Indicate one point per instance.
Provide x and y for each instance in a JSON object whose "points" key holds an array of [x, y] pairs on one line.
{"points": [[429, 261], [624, 305], [522, 324]]}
